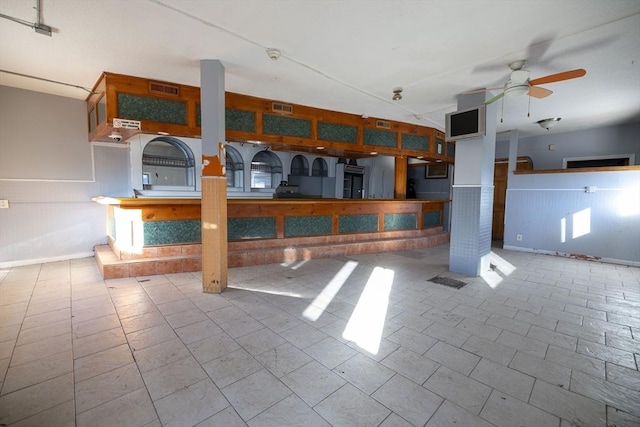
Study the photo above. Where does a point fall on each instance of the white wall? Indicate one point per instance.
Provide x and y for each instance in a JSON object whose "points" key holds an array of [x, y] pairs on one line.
{"points": [[553, 213], [545, 209], [49, 174]]}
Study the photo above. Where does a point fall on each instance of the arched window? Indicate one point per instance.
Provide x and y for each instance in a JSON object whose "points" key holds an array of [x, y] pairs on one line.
{"points": [[319, 167], [266, 170], [299, 166], [235, 168], [168, 161]]}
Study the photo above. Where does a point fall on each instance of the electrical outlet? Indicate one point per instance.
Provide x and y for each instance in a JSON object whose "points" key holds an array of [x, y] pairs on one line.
{"points": [[519, 237], [4, 204]]}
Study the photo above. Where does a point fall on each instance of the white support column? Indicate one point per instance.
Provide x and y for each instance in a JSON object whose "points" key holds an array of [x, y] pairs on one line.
{"points": [[214, 182], [472, 201]]}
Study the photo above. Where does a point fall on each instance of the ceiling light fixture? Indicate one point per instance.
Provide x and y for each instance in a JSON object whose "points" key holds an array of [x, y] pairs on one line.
{"points": [[397, 94], [274, 54], [517, 90], [548, 123]]}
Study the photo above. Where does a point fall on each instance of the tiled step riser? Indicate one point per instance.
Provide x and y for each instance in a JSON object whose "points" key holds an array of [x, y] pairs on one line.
{"points": [[184, 250], [280, 255], [111, 267]]}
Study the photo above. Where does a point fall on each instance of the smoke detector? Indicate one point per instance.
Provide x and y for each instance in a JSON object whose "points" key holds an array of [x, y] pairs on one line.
{"points": [[274, 54], [397, 94]]}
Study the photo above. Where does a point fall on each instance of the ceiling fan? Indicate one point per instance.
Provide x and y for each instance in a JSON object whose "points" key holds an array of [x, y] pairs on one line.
{"points": [[520, 84]]}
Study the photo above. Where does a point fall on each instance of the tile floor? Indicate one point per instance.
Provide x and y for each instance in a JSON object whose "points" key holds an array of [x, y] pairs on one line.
{"points": [[360, 341]]}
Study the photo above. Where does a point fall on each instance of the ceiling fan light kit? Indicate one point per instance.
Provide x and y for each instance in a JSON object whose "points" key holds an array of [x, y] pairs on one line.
{"points": [[548, 123]]}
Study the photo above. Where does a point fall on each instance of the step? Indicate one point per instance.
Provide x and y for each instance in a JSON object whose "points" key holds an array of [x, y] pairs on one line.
{"points": [[243, 254]]}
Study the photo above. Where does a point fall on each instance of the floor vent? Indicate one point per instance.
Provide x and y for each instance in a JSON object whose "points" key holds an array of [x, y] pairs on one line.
{"points": [[447, 281]]}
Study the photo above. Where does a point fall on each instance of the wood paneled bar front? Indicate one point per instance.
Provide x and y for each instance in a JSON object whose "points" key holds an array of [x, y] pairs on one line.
{"points": [[174, 109], [158, 236]]}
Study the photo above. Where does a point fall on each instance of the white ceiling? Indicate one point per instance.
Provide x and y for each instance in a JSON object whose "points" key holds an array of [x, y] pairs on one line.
{"points": [[345, 55]]}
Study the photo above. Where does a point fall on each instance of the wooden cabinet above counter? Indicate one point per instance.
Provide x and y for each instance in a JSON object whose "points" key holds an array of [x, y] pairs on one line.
{"points": [[174, 109]]}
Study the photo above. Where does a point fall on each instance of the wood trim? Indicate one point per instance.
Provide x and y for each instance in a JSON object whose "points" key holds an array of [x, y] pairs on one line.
{"points": [[113, 84], [578, 170]]}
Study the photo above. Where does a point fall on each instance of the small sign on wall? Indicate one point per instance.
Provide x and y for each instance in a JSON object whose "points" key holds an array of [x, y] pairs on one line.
{"points": [[436, 170], [127, 124]]}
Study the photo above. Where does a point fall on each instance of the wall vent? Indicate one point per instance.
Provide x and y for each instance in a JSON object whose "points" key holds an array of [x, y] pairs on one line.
{"points": [[383, 124], [164, 89], [282, 108]]}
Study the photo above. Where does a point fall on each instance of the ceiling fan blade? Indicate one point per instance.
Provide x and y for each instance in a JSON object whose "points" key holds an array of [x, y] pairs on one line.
{"points": [[539, 92], [494, 99], [559, 77]]}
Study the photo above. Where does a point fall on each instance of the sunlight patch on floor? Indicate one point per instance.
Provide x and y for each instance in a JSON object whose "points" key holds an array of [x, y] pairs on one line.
{"points": [[324, 298], [367, 320]]}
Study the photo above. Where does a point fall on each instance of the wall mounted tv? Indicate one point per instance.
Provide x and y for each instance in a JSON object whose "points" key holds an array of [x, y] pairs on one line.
{"points": [[468, 123]]}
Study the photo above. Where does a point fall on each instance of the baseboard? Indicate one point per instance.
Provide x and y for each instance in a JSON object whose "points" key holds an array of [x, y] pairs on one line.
{"points": [[23, 262], [628, 263]]}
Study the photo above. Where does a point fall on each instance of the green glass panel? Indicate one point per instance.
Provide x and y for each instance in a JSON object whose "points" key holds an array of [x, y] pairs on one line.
{"points": [[431, 219], [153, 109], [336, 132], [198, 115], [439, 146], [380, 138], [92, 120], [286, 126], [102, 110], [307, 225], [251, 228], [239, 120], [415, 142], [171, 232], [402, 221], [358, 223]]}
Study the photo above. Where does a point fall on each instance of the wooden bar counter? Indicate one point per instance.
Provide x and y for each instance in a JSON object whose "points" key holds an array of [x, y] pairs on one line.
{"points": [[162, 235]]}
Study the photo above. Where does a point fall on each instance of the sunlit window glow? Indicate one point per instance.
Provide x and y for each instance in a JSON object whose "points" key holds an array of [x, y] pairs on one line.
{"points": [[324, 298], [563, 230], [367, 320], [629, 202], [582, 223]]}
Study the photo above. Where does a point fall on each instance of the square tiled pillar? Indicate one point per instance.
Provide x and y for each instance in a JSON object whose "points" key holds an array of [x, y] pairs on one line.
{"points": [[472, 198]]}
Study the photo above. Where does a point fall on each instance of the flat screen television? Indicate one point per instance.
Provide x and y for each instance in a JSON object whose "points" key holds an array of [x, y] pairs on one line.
{"points": [[468, 123]]}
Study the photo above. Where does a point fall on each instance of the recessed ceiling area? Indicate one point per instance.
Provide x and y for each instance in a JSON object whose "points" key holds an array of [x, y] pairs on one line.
{"points": [[346, 56]]}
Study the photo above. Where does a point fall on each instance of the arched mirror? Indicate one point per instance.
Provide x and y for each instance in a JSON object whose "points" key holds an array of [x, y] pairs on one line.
{"points": [[168, 162], [319, 167], [299, 166], [235, 168], [266, 170]]}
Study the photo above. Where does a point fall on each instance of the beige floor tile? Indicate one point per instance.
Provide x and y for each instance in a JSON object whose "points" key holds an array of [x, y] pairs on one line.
{"points": [[349, 406], [255, 393], [412, 402], [106, 387], [37, 371], [172, 377], [101, 362], [191, 405], [231, 367], [32, 400], [133, 409], [98, 342]]}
